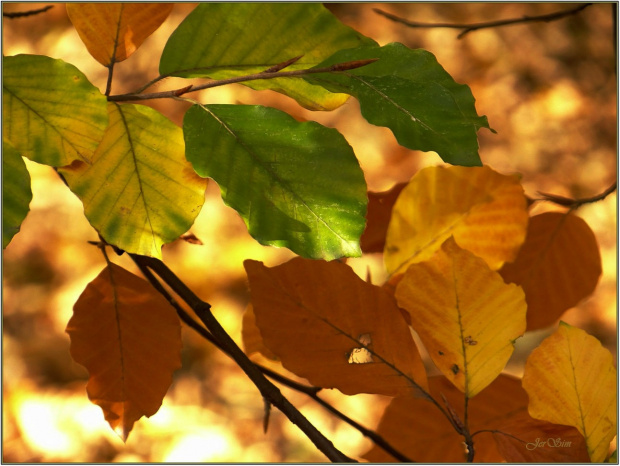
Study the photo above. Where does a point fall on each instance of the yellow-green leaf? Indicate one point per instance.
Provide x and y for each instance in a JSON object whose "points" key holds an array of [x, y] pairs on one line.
{"points": [[113, 31], [465, 314], [129, 338], [139, 192], [570, 379], [50, 112], [558, 265], [16, 192], [485, 211]]}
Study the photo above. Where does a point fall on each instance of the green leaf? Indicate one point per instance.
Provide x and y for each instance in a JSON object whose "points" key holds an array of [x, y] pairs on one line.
{"points": [[16, 192], [51, 113], [409, 92], [223, 40], [139, 192], [296, 185]]}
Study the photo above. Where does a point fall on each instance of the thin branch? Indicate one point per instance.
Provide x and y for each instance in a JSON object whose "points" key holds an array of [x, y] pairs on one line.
{"points": [[575, 203], [466, 28], [23, 14], [251, 77]]}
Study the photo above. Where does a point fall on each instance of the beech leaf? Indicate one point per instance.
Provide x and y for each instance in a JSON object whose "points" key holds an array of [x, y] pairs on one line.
{"points": [[129, 339], [378, 218], [139, 192], [16, 192], [250, 334], [485, 211], [465, 314], [558, 265], [329, 326], [113, 31], [570, 379]]}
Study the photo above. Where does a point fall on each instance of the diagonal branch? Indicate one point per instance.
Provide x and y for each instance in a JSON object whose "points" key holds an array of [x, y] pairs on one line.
{"points": [[466, 28], [23, 14]]}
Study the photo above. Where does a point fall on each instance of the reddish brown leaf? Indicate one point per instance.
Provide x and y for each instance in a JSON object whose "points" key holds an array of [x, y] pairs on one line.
{"points": [[378, 218], [331, 327], [250, 334], [417, 428], [129, 339], [558, 265]]}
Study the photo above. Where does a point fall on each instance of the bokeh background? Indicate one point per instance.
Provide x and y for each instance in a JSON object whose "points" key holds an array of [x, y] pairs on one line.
{"points": [[548, 89]]}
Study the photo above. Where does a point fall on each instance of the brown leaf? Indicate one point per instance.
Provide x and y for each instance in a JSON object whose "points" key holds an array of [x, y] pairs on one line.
{"points": [[331, 327], [558, 265], [417, 428], [250, 335], [129, 339], [378, 218]]}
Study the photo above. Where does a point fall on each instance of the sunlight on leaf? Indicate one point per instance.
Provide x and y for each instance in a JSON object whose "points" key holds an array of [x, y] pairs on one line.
{"points": [[409, 92], [485, 211], [571, 380], [113, 31], [558, 266], [129, 339], [313, 315], [223, 40], [140, 192], [296, 185], [465, 314], [416, 428], [50, 112], [16, 192]]}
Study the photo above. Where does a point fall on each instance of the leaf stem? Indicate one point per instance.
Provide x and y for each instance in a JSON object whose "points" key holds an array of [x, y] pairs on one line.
{"points": [[575, 203], [250, 77]]}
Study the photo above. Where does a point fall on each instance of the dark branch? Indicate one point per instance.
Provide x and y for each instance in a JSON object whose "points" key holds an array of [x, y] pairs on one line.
{"points": [[466, 28], [23, 14], [575, 203]]}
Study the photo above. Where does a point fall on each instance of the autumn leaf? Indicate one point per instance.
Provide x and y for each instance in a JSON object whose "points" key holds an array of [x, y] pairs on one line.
{"points": [[250, 334], [570, 379], [558, 265], [485, 211], [378, 218], [417, 429], [336, 330], [113, 31], [129, 339], [139, 192], [16, 192]]}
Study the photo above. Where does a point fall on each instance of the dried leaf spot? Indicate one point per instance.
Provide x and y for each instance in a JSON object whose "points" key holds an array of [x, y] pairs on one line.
{"points": [[361, 355], [470, 341], [455, 369], [440, 353]]}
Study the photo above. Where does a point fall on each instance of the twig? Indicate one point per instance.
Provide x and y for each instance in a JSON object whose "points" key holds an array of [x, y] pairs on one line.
{"points": [[575, 203], [23, 14], [251, 77], [490, 24]]}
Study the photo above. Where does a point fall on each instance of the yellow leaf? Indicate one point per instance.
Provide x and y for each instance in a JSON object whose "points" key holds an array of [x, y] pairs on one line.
{"points": [[570, 380], [485, 211], [417, 429], [329, 326], [129, 339], [465, 314], [113, 31], [558, 265]]}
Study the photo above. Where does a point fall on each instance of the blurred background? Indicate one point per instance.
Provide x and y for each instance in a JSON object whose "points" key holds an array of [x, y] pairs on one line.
{"points": [[548, 89]]}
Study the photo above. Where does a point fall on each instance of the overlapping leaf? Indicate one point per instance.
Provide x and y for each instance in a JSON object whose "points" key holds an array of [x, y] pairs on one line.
{"points": [[296, 185], [139, 192], [129, 339], [465, 314], [558, 266], [50, 112], [570, 379], [113, 31], [378, 218], [484, 211], [332, 328], [222, 40], [16, 192], [409, 92]]}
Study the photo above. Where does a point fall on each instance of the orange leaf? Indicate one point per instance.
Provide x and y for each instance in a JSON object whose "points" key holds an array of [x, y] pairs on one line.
{"points": [[527, 440], [417, 429], [570, 380], [465, 314], [558, 265], [485, 211], [336, 330], [378, 217], [250, 334], [129, 339], [113, 31]]}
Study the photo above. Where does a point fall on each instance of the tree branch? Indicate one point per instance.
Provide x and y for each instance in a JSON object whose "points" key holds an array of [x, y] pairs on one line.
{"points": [[23, 14], [575, 203], [466, 28], [250, 77]]}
